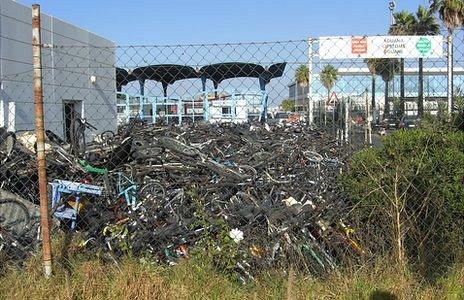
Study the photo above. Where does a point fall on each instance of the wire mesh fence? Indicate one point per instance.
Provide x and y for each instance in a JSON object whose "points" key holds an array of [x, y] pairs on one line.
{"points": [[233, 150]]}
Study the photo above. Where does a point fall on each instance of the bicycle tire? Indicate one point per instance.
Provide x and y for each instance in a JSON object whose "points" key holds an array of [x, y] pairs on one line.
{"points": [[177, 147], [14, 216], [247, 170]]}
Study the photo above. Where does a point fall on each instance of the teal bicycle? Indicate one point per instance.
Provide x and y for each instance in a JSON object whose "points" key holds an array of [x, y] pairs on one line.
{"points": [[134, 192]]}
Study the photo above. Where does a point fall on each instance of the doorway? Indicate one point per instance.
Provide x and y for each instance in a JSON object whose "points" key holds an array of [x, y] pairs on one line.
{"points": [[71, 111]]}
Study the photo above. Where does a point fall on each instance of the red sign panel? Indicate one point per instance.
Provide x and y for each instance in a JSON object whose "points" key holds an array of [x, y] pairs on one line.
{"points": [[359, 45]]}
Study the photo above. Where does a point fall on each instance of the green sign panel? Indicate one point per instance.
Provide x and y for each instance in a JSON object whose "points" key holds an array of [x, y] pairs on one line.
{"points": [[424, 45]]}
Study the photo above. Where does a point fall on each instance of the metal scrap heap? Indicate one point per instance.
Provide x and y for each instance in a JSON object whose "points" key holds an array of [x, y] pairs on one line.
{"points": [[255, 194]]}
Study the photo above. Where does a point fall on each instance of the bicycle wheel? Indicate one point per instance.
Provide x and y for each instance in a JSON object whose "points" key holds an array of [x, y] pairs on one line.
{"points": [[152, 191], [77, 132], [14, 216]]}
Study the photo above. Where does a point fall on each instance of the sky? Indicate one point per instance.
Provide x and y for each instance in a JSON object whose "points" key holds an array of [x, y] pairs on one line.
{"points": [[146, 22]]}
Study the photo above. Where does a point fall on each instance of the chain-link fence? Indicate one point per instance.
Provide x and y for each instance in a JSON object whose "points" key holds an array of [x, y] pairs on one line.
{"points": [[231, 149]]}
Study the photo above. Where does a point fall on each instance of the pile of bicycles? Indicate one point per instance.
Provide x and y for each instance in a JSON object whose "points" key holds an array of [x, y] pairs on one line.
{"points": [[267, 192]]}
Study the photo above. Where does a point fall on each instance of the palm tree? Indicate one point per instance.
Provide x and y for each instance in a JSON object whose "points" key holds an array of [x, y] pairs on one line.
{"points": [[387, 68], [302, 75], [301, 78], [451, 12], [426, 25], [405, 23], [328, 77]]}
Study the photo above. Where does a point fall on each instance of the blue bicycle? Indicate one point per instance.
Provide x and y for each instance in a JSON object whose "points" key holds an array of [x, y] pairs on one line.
{"points": [[135, 192], [127, 190]]}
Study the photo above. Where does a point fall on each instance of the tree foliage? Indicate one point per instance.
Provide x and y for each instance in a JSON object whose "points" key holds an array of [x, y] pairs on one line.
{"points": [[288, 105], [302, 75], [371, 65], [329, 76], [387, 68], [409, 196], [405, 24], [425, 22], [384, 67], [451, 12]]}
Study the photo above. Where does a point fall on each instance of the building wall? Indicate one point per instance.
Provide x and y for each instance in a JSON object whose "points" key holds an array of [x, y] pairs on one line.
{"points": [[216, 115], [76, 55]]}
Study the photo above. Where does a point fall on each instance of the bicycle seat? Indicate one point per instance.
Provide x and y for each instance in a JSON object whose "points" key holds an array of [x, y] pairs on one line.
{"points": [[120, 155]]}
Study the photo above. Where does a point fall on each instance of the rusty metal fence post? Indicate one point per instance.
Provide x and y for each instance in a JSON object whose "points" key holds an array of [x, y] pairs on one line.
{"points": [[40, 133]]}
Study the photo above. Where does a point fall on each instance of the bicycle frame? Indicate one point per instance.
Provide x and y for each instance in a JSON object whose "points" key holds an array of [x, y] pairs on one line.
{"points": [[127, 189]]}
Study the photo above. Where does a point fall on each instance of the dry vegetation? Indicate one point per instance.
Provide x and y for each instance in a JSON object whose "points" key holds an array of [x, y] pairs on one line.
{"points": [[197, 279]]}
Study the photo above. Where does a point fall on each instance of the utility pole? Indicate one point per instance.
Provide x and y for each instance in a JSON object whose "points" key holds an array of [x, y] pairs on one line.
{"points": [[392, 6], [347, 119], [368, 123], [310, 84], [449, 59]]}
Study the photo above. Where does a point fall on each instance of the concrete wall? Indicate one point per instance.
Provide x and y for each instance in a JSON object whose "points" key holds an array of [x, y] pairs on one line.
{"points": [[76, 55]]}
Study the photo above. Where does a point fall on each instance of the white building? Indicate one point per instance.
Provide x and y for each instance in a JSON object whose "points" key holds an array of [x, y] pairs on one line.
{"points": [[235, 111], [73, 56]]}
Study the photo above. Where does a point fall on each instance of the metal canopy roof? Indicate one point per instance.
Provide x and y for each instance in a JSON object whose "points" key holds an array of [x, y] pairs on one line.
{"points": [[165, 73], [170, 73], [122, 78], [222, 71]]}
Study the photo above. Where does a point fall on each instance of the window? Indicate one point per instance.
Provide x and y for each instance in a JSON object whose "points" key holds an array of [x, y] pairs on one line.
{"points": [[226, 110], [291, 90]]}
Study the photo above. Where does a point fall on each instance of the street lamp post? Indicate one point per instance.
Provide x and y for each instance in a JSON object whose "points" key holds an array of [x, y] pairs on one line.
{"points": [[391, 6]]}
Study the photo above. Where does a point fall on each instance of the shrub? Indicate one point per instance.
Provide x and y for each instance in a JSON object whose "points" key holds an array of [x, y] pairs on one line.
{"points": [[409, 194]]}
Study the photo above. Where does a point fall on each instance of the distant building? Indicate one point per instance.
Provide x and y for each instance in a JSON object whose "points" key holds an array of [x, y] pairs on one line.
{"points": [[353, 83], [236, 107], [299, 94]]}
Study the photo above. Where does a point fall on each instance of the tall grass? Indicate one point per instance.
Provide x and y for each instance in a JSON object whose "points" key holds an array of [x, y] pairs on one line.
{"points": [[198, 279]]}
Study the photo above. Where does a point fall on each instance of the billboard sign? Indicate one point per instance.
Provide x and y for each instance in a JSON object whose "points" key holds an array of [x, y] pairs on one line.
{"points": [[345, 47]]}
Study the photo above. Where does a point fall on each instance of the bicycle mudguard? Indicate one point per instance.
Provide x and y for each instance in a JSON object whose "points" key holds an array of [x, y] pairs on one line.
{"points": [[91, 169]]}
